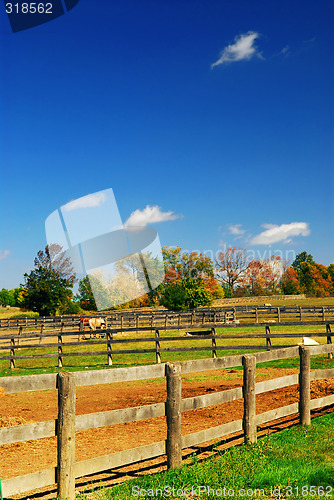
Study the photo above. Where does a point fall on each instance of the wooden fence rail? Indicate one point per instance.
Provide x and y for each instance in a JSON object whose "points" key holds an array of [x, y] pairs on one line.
{"points": [[64, 427], [14, 343]]}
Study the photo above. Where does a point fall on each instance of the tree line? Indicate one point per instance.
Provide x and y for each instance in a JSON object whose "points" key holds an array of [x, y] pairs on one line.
{"points": [[191, 280]]}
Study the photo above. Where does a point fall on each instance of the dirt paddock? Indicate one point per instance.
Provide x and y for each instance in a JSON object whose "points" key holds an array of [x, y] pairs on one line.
{"points": [[31, 456]]}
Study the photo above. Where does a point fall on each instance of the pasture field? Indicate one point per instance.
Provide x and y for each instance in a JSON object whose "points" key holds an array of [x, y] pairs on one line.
{"points": [[308, 301], [98, 361], [295, 463]]}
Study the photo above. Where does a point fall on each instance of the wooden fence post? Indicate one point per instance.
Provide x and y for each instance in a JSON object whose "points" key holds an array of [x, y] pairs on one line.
{"points": [[214, 351], [66, 436], [20, 333], [256, 315], [60, 347], [12, 352], [304, 386], [157, 347], [248, 389], [278, 315], [329, 339], [173, 416], [109, 337], [268, 339], [40, 338]]}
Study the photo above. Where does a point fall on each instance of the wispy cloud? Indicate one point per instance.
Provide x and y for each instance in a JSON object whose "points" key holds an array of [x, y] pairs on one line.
{"points": [[4, 254], [243, 48], [236, 229], [150, 215], [274, 233], [91, 200]]}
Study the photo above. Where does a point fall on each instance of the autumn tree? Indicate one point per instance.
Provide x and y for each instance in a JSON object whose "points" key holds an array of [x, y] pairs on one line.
{"points": [[189, 280], [262, 277], [231, 266], [289, 283]]}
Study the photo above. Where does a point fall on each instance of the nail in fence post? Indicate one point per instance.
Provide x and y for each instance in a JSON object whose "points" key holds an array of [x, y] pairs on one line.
{"points": [[248, 389], [214, 351], [66, 436], [304, 386], [109, 336], [157, 347], [173, 416], [329, 339]]}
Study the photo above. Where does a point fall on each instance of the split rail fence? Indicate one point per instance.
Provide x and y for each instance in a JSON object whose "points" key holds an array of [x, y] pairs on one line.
{"points": [[15, 344], [68, 423]]}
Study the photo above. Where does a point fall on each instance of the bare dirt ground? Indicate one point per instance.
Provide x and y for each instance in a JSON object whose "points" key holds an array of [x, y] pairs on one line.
{"points": [[31, 456]]}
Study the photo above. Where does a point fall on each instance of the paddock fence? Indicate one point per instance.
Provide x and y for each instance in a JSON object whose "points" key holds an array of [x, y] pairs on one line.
{"points": [[67, 469], [67, 343], [163, 318]]}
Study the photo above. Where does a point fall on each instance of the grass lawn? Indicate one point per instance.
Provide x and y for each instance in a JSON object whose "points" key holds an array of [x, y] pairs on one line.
{"points": [[295, 463]]}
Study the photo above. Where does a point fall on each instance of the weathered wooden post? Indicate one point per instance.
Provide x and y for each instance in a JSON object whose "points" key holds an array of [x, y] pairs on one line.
{"points": [[66, 436], [173, 416], [20, 333], [157, 347], [60, 347], [214, 345], [329, 339], [304, 386], [12, 352], [268, 339], [109, 337], [256, 315], [40, 338], [248, 389], [278, 315]]}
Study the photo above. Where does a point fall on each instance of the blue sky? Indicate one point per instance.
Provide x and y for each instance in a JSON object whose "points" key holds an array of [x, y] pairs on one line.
{"points": [[211, 120]]}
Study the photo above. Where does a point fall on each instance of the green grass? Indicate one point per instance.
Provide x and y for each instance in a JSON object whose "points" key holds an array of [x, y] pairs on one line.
{"points": [[281, 463]]}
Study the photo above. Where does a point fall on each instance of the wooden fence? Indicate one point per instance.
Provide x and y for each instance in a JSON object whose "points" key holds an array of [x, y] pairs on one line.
{"points": [[163, 318], [64, 427], [112, 345]]}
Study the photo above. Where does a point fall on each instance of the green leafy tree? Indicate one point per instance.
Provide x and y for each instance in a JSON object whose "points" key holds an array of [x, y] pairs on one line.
{"points": [[7, 297], [302, 258], [185, 294], [85, 295], [45, 291]]}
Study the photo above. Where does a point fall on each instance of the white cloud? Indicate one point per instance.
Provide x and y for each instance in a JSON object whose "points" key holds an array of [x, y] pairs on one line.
{"points": [[91, 200], [242, 48], [236, 229], [149, 215], [284, 232], [4, 254]]}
